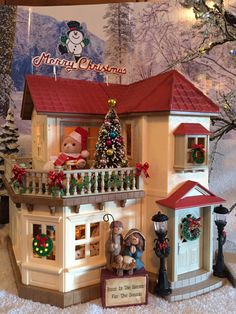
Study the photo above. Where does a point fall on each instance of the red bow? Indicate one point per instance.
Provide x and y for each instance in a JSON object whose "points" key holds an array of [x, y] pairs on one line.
{"points": [[199, 146], [42, 240], [140, 168], [56, 178], [163, 246], [194, 223], [18, 173]]}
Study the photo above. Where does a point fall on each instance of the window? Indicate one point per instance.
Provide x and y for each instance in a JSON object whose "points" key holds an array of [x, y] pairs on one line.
{"points": [[191, 141], [129, 139], [87, 240], [50, 231], [191, 147], [91, 126]]}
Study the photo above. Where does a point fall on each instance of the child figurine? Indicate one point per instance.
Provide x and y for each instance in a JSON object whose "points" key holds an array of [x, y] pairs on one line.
{"points": [[115, 241], [134, 245]]}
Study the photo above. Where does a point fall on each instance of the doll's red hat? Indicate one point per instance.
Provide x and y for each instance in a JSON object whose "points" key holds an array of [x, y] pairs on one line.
{"points": [[81, 136]]}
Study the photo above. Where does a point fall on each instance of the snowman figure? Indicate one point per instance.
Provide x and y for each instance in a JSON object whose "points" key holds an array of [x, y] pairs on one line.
{"points": [[74, 42]]}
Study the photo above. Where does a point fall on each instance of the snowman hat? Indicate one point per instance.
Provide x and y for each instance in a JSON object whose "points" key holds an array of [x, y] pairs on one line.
{"points": [[74, 26], [80, 135], [132, 231]]}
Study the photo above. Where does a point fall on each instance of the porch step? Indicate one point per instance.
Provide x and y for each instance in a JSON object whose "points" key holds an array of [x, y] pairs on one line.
{"points": [[194, 290], [191, 278]]}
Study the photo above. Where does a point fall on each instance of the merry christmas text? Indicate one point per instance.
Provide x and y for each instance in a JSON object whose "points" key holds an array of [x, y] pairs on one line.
{"points": [[83, 63]]}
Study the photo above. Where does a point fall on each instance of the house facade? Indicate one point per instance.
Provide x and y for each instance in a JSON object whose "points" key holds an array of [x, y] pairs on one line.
{"points": [[162, 119]]}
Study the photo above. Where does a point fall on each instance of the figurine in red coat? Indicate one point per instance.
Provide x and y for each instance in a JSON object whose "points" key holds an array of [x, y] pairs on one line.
{"points": [[74, 150]]}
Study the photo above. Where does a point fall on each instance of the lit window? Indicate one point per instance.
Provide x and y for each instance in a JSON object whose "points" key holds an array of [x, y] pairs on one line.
{"points": [[50, 231], [87, 240]]}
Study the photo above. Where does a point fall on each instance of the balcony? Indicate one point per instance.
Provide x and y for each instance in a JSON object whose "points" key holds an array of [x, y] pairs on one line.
{"points": [[70, 187]]}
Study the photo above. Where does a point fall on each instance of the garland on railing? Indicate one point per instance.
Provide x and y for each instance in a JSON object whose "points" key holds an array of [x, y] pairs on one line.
{"points": [[42, 245], [191, 227], [56, 182], [198, 153], [78, 182], [18, 178]]}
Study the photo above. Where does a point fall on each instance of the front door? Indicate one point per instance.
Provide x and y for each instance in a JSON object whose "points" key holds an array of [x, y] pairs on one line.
{"points": [[189, 243]]}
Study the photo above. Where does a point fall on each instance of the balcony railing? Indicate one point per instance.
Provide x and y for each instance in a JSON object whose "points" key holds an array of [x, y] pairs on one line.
{"points": [[73, 183]]}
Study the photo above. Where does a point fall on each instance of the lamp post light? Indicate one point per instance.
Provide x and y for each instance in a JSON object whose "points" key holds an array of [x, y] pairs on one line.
{"points": [[162, 250], [220, 221]]}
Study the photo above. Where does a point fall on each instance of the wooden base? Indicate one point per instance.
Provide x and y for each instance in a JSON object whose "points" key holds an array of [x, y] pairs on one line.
{"points": [[48, 296]]}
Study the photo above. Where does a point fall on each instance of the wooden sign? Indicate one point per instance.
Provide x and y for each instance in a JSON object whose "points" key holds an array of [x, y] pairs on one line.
{"points": [[123, 291]]}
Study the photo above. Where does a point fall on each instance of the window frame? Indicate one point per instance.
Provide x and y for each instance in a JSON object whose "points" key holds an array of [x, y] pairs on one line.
{"points": [[83, 123], [189, 149], [182, 151], [86, 219], [129, 146]]}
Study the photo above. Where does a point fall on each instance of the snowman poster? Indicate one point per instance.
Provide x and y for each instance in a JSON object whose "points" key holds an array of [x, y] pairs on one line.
{"points": [[72, 44], [75, 40]]}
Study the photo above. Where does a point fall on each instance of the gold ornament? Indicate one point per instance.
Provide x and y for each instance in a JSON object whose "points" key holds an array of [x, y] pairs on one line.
{"points": [[110, 152], [124, 162], [112, 102]]}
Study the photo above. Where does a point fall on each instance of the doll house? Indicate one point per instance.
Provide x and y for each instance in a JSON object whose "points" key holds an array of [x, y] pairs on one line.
{"points": [[163, 118]]}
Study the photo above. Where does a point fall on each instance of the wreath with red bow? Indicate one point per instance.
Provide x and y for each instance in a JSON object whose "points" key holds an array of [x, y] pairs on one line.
{"points": [[198, 153], [42, 245], [191, 227]]}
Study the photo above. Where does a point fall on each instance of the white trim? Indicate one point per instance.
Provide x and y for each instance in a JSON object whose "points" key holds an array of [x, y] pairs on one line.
{"points": [[87, 217], [46, 219], [189, 113], [42, 268], [81, 269], [203, 192]]}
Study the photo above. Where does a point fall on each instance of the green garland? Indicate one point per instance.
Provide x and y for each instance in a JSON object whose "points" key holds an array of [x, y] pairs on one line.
{"points": [[42, 245], [191, 227]]}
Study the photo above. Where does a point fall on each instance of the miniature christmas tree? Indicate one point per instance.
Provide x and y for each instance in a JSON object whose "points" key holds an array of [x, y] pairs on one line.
{"points": [[9, 137], [110, 147]]}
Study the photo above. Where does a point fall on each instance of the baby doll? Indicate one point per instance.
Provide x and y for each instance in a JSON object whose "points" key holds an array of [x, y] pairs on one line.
{"points": [[74, 149], [134, 245]]}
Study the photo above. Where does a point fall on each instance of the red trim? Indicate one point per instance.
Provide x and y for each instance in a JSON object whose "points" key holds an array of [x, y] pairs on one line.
{"points": [[177, 200], [191, 129]]}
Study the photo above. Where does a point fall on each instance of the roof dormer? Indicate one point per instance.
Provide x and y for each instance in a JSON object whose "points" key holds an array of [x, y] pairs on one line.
{"points": [[191, 147]]}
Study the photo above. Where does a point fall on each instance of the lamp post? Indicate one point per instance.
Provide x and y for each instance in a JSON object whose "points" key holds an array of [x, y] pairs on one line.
{"points": [[220, 221], [162, 250]]}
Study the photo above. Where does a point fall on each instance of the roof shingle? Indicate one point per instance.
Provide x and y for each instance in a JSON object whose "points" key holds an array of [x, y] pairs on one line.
{"points": [[169, 91]]}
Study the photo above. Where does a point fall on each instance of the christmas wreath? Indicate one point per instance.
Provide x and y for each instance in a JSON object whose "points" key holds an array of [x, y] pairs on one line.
{"points": [[42, 245], [198, 153], [191, 227]]}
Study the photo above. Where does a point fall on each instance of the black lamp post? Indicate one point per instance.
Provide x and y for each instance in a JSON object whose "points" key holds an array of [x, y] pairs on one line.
{"points": [[220, 221], [162, 250]]}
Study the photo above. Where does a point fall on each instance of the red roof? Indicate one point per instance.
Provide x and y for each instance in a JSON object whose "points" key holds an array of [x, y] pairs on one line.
{"points": [[178, 201], [191, 128], [169, 91]]}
